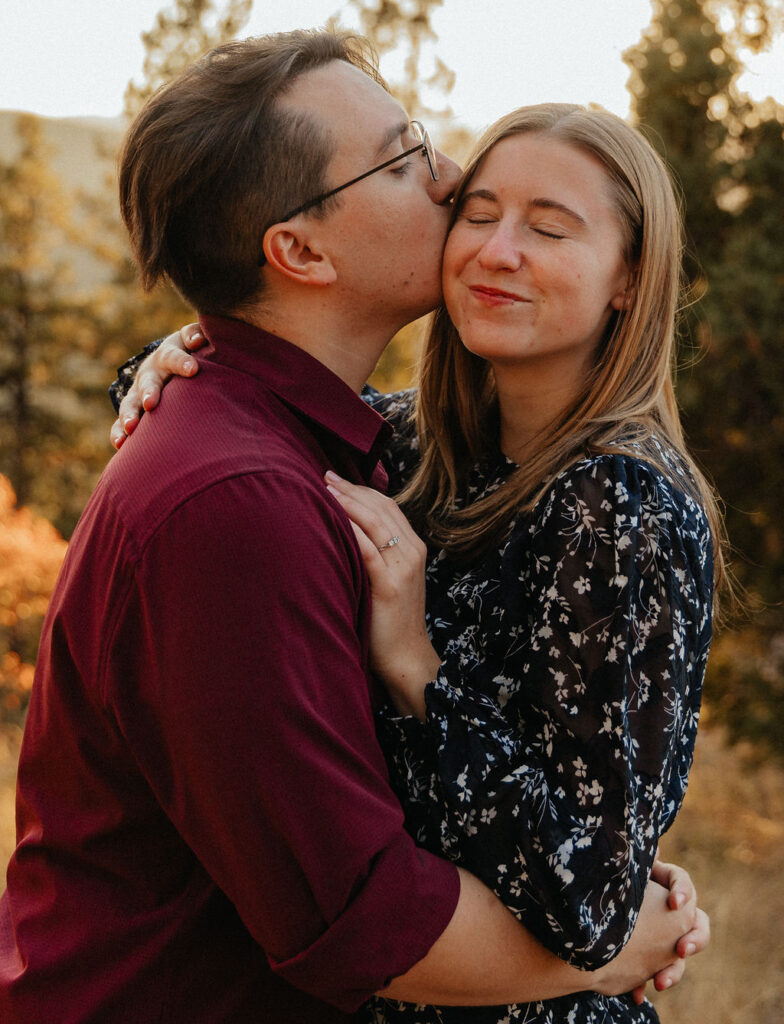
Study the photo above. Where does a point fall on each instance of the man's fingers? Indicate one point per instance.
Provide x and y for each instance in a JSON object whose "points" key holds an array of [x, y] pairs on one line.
{"points": [[638, 995], [678, 881], [696, 940], [669, 976]]}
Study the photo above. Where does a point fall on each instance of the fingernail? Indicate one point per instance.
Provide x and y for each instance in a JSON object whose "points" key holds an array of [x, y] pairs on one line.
{"points": [[189, 366], [147, 396], [680, 899], [690, 948], [333, 492], [332, 476]]}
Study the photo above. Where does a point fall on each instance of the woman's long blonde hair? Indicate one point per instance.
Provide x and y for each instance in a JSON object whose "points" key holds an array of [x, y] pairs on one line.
{"points": [[627, 397]]}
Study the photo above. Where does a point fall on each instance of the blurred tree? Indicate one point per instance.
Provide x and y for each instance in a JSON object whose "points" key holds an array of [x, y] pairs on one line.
{"points": [[728, 155], [31, 551], [48, 442], [404, 26], [180, 36]]}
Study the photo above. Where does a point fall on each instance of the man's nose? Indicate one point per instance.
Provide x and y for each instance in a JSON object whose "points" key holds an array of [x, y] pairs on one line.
{"points": [[449, 174]]}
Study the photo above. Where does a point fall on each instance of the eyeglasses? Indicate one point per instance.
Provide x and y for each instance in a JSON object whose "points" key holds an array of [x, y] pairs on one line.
{"points": [[424, 146]]}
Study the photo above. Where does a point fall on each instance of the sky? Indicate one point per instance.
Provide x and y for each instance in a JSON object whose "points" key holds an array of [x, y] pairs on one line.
{"points": [[65, 58]]}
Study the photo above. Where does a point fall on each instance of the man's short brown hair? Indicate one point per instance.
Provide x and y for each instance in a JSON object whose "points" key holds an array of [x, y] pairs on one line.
{"points": [[212, 160]]}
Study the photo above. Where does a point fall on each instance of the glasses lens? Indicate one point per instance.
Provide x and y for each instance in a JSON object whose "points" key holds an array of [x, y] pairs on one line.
{"points": [[421, 134]]}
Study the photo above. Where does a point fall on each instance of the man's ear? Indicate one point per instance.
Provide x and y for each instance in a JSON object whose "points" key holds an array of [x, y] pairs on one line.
{"points": [[289, 251]]}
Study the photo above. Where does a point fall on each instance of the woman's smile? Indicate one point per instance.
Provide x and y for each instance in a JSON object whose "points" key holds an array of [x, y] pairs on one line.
{"points": [[488, 296]]}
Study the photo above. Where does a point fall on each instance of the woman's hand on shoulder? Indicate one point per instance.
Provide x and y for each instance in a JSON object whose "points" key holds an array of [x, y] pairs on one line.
{"points": [[171, 358], [394, 556]]}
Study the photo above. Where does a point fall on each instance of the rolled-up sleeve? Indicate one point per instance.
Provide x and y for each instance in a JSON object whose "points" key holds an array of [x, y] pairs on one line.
{"points": [[251, 719]]}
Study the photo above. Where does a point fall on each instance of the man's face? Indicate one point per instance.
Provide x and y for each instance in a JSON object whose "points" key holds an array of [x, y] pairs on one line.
{"points": [[387, 234]]}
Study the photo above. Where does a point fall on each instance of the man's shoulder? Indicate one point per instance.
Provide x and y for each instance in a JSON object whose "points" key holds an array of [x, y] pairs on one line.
{"points": [[196, 448]]}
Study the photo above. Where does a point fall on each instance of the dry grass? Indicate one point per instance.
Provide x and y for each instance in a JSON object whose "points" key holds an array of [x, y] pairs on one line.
{"points": [[730, 834]]}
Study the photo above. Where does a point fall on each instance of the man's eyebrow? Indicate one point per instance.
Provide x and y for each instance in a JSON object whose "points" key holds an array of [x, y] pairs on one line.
{"points": [[393, 133]]}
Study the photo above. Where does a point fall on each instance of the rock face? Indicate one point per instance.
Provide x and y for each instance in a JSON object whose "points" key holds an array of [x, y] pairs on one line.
{"points": [[82, 154], [83, 149]]}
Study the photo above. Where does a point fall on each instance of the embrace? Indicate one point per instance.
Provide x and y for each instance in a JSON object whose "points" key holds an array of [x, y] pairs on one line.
{"points": [[374, 708]]}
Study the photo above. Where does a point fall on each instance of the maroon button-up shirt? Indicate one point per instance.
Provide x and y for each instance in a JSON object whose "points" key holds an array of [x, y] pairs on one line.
{"points": [[206, 831]]}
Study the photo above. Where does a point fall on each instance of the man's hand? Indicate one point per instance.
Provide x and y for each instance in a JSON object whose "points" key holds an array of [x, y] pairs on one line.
{"points": [[171, 358], [670, 928]]}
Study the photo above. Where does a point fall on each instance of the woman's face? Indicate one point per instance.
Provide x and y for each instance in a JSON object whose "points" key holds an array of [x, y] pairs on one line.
{"points": [[533, 267]]}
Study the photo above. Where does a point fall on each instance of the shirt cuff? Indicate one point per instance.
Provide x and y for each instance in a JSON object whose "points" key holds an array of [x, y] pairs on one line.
{"points": [[377, 939]]}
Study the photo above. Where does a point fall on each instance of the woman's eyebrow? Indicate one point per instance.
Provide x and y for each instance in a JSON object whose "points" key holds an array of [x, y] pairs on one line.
{"points": [[479, 193]]}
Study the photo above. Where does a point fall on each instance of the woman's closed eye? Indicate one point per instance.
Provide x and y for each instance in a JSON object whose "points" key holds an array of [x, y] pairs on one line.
{"points": [[550, 232]]}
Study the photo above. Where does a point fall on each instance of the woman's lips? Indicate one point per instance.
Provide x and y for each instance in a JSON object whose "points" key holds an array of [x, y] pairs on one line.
{"points": [[494, 296]]}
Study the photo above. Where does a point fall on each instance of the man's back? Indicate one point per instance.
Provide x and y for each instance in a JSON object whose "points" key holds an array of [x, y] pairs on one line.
{"points": [[200, 792]]}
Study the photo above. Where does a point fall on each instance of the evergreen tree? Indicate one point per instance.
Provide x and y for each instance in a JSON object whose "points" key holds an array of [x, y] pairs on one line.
{"points": [[728, 155]]}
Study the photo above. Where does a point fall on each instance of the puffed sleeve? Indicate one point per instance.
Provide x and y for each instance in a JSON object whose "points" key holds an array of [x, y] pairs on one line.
{"points": [[561, 768], [400, 456]]}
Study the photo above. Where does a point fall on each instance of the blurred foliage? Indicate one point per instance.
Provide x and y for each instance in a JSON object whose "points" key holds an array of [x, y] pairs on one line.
{"points": [[403, 26], [58, 349], [181, 35], [52, 369], [31, 551], [728, 157], [745, 686]]}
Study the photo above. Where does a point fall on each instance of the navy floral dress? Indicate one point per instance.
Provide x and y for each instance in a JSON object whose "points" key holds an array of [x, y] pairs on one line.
{"points": [[561, 727]]}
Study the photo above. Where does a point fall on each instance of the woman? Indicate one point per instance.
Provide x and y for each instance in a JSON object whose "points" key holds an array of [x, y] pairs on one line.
{"points": [[544, 721]]}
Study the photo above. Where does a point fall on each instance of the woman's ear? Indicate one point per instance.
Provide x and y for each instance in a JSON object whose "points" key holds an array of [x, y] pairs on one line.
{"points": [[623, 297], [288, 250]]}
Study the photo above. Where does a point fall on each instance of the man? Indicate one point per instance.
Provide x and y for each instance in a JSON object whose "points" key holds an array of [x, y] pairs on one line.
{"points": [[206, 830]]}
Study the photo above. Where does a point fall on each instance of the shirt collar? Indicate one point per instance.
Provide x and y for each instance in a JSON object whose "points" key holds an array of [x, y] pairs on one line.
{"points": [[300, 380]]}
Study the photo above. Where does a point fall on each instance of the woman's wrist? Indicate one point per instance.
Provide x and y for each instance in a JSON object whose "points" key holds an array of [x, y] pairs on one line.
{"points": [[407, 684]]}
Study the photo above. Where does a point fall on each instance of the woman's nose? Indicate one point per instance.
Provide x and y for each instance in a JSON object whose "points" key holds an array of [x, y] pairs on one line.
{"points": [[502, 250]]}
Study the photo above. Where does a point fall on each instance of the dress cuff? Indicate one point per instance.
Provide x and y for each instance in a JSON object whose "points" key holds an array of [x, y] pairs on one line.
{"points": [[119, 388]]}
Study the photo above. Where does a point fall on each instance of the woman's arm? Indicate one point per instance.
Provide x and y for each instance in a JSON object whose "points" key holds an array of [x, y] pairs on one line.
{"points": [[484, 941]]}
